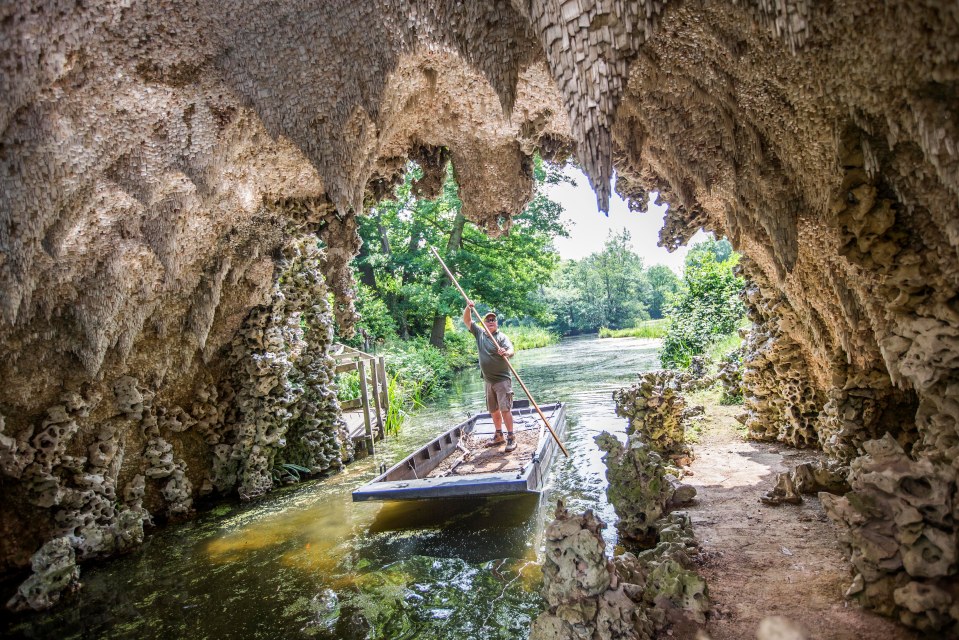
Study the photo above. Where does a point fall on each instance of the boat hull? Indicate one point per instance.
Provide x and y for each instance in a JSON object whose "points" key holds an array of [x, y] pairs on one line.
{"points": [[408, 479]]}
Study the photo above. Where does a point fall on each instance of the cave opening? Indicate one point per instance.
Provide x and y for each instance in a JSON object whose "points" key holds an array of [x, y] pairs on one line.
{"points": [[185, 194]]}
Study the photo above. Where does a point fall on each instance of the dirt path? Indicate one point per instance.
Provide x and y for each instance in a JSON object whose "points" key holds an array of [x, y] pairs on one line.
{"points": [[760, 560]]}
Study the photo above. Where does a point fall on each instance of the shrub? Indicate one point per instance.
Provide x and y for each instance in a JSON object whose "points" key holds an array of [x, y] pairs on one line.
{"points": [[706, 309]]}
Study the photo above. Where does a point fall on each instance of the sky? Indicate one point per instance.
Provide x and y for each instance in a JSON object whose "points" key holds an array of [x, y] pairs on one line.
{"points": [[589, 228]]}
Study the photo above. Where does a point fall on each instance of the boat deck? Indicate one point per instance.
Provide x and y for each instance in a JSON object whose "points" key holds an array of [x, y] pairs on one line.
{"points": [[484, 459]]}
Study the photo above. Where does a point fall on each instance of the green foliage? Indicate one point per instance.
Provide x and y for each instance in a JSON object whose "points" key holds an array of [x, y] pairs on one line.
{"points": [[711, 250], [721, 348], [706, 309], [610, 288], [422, 370], [644, 329], [396, 411], [404, 277], [289, 472], [663, 284], [460, 349], [529, 337], [376, 320], [347, 385]]}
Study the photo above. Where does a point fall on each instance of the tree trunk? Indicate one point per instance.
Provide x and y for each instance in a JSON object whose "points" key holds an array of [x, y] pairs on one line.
{"points": [[456, 235], [438, 332], [404, 326], [384, 238]]}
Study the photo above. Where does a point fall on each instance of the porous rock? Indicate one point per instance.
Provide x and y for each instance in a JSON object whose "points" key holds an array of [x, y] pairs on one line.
{"points": [[807, 478], [730, 376], [54, 570], [630, 596], [899, 529], [656, 409], [156, 159], [640, 488]]}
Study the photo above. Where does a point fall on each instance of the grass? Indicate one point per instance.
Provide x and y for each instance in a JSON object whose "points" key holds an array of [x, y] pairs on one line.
{"points": [[645, 329], [524, 337], [721, 347], [711, 398], [396, 412]]}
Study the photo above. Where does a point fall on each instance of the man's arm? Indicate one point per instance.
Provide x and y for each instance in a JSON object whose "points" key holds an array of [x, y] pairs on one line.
{"points": [[468, 315], [506, 347]]}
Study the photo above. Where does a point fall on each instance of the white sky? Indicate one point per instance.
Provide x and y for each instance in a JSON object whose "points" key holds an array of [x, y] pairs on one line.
{"points": [[589, 228]]}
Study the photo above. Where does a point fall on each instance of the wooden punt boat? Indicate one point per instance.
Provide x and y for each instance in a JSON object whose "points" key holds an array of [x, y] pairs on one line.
{"points": [[458, 464]]}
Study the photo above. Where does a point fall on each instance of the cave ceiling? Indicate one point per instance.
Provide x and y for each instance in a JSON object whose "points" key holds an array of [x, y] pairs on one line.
{"points": [[148, 150], [165, 165]]}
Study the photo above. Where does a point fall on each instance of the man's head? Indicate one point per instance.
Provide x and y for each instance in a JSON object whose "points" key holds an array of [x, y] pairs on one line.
{"points": [[490, 321]]}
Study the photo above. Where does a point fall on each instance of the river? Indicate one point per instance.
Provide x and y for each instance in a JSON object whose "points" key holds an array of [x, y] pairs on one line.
{"points": [[306, 562]]}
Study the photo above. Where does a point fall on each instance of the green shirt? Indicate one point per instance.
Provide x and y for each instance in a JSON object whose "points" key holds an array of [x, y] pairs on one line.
{"points": [[493, 365]]}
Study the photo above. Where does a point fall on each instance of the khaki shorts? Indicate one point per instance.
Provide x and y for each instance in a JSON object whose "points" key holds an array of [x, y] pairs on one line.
{"points": [[499, 395]]}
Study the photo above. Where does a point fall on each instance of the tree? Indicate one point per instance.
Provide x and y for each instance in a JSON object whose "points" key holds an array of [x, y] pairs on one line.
{"points": [[622, 281], [707, 307], [719, 251], [663, 284], [506, 272], [607, 288]]}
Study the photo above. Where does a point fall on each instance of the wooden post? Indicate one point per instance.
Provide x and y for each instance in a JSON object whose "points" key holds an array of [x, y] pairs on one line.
{"points": [[374, 377], [381, 365], [364, 396]]}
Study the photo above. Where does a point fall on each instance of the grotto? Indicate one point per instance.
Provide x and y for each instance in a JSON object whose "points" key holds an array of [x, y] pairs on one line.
{"points": [[166, 315]]}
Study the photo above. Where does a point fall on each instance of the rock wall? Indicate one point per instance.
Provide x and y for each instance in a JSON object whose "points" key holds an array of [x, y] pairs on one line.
{"points": [[656, 410], [833, 165], [628, 597], [101, 465], [156, 158], [900, 520]]}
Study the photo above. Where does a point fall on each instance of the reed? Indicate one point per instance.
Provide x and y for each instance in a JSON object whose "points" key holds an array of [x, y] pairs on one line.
{"points": [[530, 337], [396, 412], [645, 329]]}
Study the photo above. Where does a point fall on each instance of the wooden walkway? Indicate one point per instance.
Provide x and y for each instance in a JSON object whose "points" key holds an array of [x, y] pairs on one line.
{"points": [[365, 415]]}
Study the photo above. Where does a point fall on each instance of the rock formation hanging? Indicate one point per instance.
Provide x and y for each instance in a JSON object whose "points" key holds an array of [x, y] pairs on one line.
{"points": [[156, 159]]}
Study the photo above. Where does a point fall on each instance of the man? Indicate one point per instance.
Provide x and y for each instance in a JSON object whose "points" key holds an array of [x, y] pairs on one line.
{"points": [[496, 374]]}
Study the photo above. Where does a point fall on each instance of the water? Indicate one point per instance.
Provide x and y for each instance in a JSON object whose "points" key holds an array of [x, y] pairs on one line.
{"points": [[306, 562]]}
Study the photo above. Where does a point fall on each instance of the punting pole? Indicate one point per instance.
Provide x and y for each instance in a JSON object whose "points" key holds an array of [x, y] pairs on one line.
{"points": [[508, 363]]}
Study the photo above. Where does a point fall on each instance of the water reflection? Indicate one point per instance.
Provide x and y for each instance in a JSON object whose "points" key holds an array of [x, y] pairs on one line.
{"points": [[306, 562]]}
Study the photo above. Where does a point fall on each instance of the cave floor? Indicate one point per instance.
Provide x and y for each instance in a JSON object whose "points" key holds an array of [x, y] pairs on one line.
{"points": [[760, 560]]}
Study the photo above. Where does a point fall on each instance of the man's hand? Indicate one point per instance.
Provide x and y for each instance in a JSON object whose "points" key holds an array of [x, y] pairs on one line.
{"points": [[468, 314], [504, 352]]}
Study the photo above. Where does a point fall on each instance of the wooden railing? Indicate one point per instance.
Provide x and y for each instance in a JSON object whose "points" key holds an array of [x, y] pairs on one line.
{"points": [[374, 397]]}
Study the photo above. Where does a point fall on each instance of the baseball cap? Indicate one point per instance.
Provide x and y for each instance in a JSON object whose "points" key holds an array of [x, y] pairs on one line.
{"points": [[491, 314]]}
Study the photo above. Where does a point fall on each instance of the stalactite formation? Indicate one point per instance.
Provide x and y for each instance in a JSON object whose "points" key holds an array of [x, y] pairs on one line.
{"points": [[157, 160]]}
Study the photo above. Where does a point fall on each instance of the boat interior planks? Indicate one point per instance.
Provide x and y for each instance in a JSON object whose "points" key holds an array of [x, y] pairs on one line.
{"points": [[457, 463]]}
